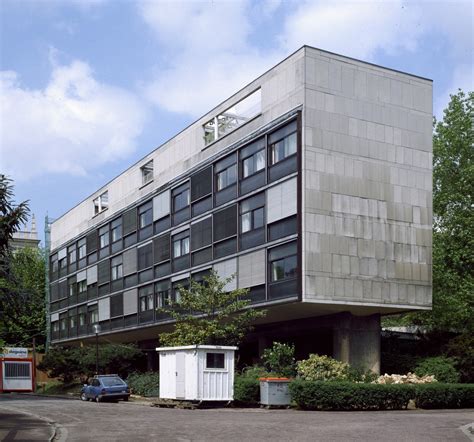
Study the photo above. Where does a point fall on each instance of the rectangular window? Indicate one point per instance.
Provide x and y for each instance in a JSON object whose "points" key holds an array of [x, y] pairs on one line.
{"points": [[233, 117], [201, 234], [129, 221], [162, 290], [283, 142], [93, 315], [146, 298], [147, 172], [116, 305], [116, 229], [82, 248], [72, 322], [161, 248], [180, 245], [71, 282], [72, 254], [116, 268], [252, 213], [82, 286], [283, 262], [225, 223], [253, 164], [103, 237], [82, 317], [145, 256], [215, 360], [101, 202], [226, 177], [201, 184], [145, 214], [180, 198]]}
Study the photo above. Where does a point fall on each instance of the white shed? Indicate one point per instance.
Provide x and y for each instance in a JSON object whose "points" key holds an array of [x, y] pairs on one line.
{"points": [[197, 372]]}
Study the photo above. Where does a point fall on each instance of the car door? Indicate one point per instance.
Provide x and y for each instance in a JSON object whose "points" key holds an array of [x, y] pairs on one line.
{"points": [[95, 388]]}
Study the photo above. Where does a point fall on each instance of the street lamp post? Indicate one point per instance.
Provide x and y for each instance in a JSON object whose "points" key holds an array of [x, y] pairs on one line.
{"points": [[96, 328]]}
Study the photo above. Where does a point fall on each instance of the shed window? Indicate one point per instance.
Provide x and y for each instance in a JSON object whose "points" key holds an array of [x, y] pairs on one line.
{"points": [[215, 360]]}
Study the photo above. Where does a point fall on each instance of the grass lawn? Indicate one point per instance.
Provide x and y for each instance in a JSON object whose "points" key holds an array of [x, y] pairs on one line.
{"points": [[58, 388]]}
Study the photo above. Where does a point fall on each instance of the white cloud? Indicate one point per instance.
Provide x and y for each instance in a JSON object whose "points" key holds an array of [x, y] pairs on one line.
{"points": [[73, 125]]}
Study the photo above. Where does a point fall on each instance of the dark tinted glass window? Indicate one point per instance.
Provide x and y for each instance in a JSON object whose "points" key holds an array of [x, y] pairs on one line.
{"points": [[225, 223], [161, 248], [116, 305], [116, 229], [181, 198], [129, 221], [282, 228], [283, 262], [283, 143], [91, 240], [201, 234], [215, 360], [145, 256], [103, 271], [201, 184]]}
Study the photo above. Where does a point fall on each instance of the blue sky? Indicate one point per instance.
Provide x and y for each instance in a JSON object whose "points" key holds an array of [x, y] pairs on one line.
{"points": [[88, 87]]}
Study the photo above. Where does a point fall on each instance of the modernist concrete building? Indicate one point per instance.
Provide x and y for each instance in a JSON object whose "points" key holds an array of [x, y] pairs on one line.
{"points": [[312, 184]]}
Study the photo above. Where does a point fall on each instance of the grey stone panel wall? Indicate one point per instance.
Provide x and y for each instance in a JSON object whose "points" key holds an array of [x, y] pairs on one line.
{"points": [[367, 184]]}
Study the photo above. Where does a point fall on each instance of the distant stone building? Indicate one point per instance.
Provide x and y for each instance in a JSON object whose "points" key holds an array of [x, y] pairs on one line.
{"points": [[27, 237]]}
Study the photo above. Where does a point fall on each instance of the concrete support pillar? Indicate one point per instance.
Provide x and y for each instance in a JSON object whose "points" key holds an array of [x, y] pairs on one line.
{"points": [[356, 340]]}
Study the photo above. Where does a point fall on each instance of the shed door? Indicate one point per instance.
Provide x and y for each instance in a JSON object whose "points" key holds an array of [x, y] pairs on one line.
{"points": [[180, 375], [17, 376]]}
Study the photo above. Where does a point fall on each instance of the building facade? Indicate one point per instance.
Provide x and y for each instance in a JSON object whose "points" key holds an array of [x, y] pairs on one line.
{"points": [[313, 185]]}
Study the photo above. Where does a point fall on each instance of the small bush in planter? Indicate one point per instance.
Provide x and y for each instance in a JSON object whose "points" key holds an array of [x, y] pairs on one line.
{"points": [[280, 359], [441, 367], [246, 391], [322, 368]]}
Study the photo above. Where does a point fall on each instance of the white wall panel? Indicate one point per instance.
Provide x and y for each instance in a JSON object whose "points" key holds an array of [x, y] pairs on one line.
{"points": [[252, 269], [81, 276], [161, 205], [104, 309], [130, 302], [281, 200], [92, 275], [225, 269]]}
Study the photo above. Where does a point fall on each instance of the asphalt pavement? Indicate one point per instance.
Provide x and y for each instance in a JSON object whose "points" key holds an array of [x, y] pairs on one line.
{"points": [[73, 420]]}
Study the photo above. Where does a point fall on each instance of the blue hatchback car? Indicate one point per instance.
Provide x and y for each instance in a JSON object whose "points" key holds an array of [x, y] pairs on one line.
{"points": [[105, 387]]}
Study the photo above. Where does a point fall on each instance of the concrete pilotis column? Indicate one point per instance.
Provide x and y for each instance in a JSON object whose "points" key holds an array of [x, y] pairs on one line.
{"points": [[356, 340]]}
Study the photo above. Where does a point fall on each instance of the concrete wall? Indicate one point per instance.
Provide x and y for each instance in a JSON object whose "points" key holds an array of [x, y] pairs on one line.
{"points": [[282, 89], [367, 184]]}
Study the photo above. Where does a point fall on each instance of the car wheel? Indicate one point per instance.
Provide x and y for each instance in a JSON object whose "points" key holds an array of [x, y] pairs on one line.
{"points": [[97, 399], [84, 397]]}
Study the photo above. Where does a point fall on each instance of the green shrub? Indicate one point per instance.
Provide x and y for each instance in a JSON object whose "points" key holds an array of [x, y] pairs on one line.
{"points": [[461, 349], [322, 368], [246, 391], [317, 395], [439, 395], [441, 367], [145, 384], [255, 372], [280, 359], [356, 374]]}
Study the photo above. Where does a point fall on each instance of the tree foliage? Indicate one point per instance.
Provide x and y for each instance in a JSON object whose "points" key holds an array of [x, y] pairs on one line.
{"points": [[74, 363], [208, 314], [22, 298]]}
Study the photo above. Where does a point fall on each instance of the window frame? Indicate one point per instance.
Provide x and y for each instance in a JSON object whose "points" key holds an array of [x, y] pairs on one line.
{"points": [[116, 268], [147, 172], [271, 148], [101, 202]]}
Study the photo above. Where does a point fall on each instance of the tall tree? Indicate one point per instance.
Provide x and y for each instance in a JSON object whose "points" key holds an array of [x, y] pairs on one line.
{"points": [[208, 314]]}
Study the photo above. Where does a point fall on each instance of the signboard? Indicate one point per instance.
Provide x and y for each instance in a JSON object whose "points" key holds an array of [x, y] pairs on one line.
{"points": [[14, 352]]}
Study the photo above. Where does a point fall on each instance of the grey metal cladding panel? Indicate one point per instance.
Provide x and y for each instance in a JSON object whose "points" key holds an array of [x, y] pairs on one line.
{"points": [[130, 261], [92, 241], [129, 221], [130, 302], [281, 201], [252, 269], [103, 271], [104, 309], [81, 276], [161, 205], [92, 275], [226, 269]]}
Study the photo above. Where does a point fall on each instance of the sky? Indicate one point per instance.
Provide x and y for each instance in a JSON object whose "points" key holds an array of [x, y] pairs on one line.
{"points": [[88, 87]]}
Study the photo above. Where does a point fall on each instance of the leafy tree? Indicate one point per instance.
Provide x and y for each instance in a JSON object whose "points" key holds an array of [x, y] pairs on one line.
{"points": [[280, 359], [22, 298], [208, 314], [74, 363], [11, 219]]}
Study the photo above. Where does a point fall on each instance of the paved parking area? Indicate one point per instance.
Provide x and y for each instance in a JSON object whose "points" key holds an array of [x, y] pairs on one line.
{"points": [[82, 421]]}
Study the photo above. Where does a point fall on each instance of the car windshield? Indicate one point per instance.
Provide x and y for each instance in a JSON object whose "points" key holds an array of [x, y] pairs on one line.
{"points": [[112, 382]]}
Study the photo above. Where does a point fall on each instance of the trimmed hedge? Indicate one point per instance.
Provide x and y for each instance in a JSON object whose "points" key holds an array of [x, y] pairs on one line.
{"points": [[246, 391], [438, 395], [326, 395], [145, 384]]}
